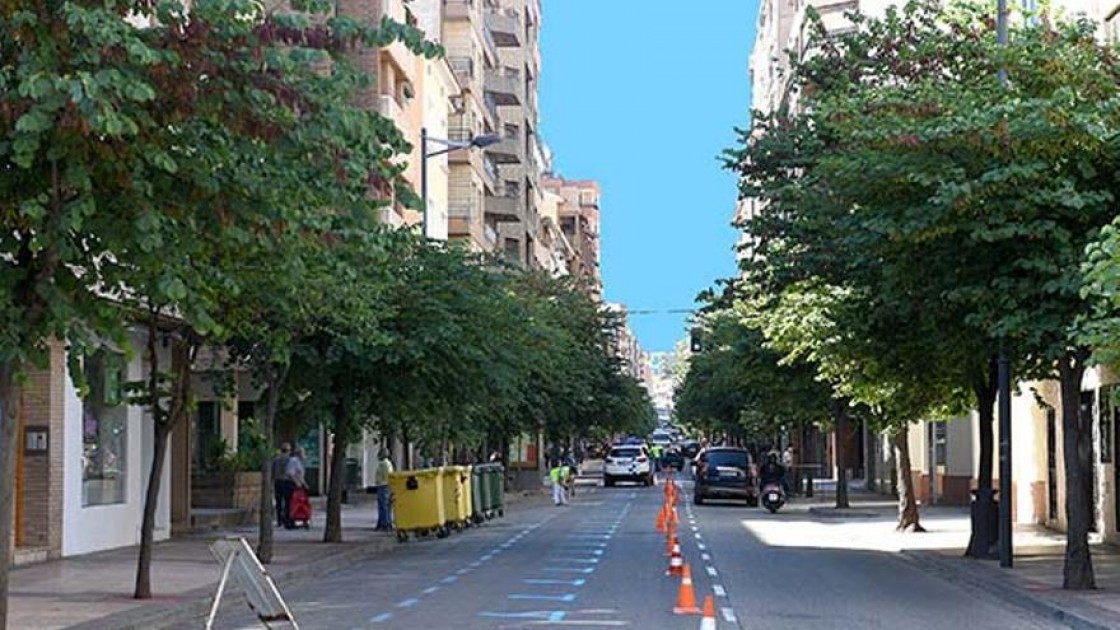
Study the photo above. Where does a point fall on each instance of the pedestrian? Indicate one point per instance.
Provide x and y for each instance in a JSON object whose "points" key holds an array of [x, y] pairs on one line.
{"points": [[573, 472], [281, 485], [295, 473], [558, 474], [655, 455], [384, 495]]}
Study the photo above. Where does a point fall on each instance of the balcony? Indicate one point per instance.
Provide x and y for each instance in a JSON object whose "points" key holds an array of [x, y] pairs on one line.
{"points": [[491, 108], [504, 208], [505, 26], [505, 84], [463, 68], [459, 9], [509, 150]]}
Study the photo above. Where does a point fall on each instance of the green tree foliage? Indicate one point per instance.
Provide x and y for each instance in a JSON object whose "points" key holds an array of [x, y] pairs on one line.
{"points": [[941, 207]]}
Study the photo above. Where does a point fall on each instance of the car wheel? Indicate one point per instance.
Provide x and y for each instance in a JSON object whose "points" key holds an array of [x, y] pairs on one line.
{"points": [[752, 501], [607, 481], [697, 499]]}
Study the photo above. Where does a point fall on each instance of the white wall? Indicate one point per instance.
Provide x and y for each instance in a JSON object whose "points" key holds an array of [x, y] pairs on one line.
{"points": [[100, 527]]}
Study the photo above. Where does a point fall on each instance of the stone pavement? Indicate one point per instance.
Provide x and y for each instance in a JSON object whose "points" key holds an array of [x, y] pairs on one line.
{"points": [[94, 591], [1033, 583]]}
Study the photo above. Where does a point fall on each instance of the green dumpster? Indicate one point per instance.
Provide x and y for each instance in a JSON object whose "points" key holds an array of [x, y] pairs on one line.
{"points": [[479, 492], [418, 504], [456, 481], [492, 476]]}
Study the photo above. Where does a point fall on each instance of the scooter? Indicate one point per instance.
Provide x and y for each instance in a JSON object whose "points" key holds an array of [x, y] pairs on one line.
{"points": [[773, 496]]}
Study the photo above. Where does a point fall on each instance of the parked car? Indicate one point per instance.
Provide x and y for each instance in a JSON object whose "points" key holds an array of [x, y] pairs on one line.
{"points": [[727, 473], [628, 463]]}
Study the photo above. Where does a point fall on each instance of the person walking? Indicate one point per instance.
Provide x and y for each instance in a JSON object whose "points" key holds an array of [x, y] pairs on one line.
{"points": [[281, 485], [384, 495], [558, 474]]}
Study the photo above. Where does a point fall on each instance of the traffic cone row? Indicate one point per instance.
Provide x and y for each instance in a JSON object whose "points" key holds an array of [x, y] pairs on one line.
{"points": [[667, 522]]}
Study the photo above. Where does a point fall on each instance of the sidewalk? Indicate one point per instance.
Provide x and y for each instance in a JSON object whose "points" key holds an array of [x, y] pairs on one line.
{"points": [[1033, 583], [94, 591]]}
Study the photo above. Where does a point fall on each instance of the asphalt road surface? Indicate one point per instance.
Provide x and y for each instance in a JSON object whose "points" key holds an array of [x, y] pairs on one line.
{"points": [[600, 563]]}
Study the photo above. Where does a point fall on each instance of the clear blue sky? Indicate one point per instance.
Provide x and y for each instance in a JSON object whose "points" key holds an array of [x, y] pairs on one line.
{"points": [[643, 96]]}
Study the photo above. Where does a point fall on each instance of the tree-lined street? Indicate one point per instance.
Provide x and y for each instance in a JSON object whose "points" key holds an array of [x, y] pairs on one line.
{"points": [[601, 564]]}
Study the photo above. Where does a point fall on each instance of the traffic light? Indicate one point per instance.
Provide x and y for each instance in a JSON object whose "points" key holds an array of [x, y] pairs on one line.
{"points": [[694, 340]]}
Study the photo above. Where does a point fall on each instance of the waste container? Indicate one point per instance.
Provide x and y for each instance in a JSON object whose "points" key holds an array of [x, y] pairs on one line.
{"points": [[479, 490], [456, 496], [496, 487], [418, 505]]}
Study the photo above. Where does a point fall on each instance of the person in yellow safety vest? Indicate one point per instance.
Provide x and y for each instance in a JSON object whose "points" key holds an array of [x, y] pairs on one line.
{"points": [[559, 476], [655, 454]]}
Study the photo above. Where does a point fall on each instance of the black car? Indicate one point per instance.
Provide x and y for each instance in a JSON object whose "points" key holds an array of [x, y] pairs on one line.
{"points": [[690, 448], [673, 458], [725, 472]]}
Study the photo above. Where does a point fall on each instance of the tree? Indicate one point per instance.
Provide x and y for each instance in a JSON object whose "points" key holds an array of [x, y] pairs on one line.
{"points": [[910, 148]]}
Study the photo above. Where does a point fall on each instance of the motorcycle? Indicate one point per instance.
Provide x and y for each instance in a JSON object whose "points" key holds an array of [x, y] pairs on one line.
{"points": [[773, 496]]}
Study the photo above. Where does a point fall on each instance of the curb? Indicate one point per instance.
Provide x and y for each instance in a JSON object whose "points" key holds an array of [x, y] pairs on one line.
{"points": [[196, 602], [952, 572]]}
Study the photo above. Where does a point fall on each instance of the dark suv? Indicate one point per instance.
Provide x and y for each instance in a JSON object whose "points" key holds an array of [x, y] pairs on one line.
{"points": [[725, 472]]}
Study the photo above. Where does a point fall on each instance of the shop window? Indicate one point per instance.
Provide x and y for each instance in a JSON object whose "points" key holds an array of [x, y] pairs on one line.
{"points": [[104, 431]]}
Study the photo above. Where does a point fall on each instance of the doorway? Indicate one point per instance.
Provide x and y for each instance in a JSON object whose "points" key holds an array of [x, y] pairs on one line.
{"points": [[1051, 466]]}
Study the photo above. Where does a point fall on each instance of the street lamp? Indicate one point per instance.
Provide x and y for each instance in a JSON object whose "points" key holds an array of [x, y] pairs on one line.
{"points": [[477, 142]]}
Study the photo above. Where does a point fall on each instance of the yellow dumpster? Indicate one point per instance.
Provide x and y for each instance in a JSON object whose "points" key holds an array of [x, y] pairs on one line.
{"points": [[418, 505], [457, 495]]}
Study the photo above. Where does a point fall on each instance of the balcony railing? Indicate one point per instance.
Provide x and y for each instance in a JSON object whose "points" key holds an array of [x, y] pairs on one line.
{"points": [[462, 210], [458, 9], [505, 84], [491, 107], [506, 27], [463, 67]]}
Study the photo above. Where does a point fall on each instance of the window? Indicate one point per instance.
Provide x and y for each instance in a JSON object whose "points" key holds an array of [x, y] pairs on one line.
{"points": [[104, 431]]}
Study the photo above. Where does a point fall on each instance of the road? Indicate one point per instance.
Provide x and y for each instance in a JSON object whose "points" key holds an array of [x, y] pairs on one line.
{"points": [[601, 564]]}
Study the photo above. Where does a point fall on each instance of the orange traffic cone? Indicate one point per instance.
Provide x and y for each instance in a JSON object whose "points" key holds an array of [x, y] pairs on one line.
{"points": [[686, 597], [672, 542], [662, 516], [709, 620], [676, 562]]}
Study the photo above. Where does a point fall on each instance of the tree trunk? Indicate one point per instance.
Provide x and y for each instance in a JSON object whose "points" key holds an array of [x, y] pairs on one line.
{"points": [[1077, 448], [842, 435], [333, 530], [908, 518], [985, 513], [165, 422], [871, 454], [9, 445], [273, 381]]}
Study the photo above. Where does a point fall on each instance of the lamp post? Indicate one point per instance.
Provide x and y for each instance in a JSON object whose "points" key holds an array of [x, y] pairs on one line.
{"points": [[476, 142]]}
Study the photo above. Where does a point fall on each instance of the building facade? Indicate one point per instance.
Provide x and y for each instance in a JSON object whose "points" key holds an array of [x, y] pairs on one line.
{"points": [[578, 213]]}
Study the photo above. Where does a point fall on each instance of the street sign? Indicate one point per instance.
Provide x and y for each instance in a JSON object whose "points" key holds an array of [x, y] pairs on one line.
{"points": [[237, 559]]}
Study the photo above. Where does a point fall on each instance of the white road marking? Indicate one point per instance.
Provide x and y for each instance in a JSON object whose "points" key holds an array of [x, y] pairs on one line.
{"points": [[697, 535], [728, 615], [711, 571], [382, 618], [408, 603], [701, 546], [706, 557], [430, 590], [718, 589]]}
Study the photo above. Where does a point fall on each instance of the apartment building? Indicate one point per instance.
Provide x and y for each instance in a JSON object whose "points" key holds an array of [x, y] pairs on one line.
{"points": [[635, 361], [578, 213]]}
